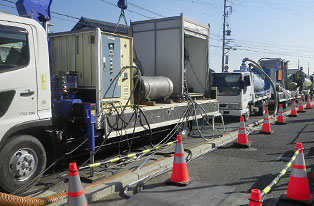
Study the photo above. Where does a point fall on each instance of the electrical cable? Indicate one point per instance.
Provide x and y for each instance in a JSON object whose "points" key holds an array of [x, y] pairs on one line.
{"points": [[123, 109], [54, 163], [147, 10]]}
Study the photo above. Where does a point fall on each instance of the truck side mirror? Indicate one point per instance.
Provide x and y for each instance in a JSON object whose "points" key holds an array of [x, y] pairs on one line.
{"points": [[241, 84]]}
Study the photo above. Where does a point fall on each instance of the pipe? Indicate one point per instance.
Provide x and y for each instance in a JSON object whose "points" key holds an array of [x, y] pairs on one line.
{"points": [[258, 67], [145, 161], [14, 200]]}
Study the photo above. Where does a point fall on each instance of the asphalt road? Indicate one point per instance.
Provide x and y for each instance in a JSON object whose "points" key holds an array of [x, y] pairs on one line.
{"points": [[227, 175]]}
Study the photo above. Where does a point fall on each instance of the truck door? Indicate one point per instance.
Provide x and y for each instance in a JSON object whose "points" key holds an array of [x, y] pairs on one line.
{"points": [[247, 91], [18, 87]]}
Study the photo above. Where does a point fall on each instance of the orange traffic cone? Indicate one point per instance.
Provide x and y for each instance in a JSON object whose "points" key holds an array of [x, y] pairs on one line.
{"points": [[308, 103], [76, 195], [266, 129], [243, 140], [298, 187], [281, 116], [180, 173], [256, 198], [301, 107], [294, 112]]}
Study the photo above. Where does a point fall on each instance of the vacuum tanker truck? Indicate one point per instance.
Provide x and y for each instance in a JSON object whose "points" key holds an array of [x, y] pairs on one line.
{"points": [[241, 92]]}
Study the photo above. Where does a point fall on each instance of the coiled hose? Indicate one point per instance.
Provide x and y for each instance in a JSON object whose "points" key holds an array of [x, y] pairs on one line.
{"points": [[14, 200]]}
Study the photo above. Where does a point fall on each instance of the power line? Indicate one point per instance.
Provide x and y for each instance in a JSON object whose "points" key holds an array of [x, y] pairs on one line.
{"points": [[270, 45], [63, 19], [273, 52], [257, 45], [147, 10], [65, 15]]}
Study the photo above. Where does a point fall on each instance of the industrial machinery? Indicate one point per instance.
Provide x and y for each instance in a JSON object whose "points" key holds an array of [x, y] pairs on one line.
{"points": [[177, 48], [100, 59], [83, 93], [154, 88]]}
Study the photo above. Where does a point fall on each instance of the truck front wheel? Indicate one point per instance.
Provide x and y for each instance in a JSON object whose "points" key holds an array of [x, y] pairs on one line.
{"points": [[23, 159]]}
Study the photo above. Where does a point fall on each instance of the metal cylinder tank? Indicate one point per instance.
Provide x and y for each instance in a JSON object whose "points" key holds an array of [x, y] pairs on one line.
{"points": [[155, 88], [259, 83]]}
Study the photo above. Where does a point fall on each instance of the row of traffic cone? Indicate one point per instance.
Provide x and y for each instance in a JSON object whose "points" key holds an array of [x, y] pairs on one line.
{"points": [[294, 112], [180, 174], [266, 128], [298, 187]]}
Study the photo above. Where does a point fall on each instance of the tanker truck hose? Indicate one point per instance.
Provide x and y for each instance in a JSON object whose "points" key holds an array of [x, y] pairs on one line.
{"points": [[260, 69], [14, 200]]}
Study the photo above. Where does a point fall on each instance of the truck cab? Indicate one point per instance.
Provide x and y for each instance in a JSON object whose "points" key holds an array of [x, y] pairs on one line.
{"points": [[277, 70], [235, 92], [25, 100]]}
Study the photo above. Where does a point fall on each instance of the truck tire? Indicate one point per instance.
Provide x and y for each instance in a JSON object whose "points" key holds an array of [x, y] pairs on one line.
{"points": [[23, 158]]}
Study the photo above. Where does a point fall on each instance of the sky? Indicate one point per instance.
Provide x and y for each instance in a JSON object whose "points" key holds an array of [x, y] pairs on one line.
{"points": [[259, 28]]}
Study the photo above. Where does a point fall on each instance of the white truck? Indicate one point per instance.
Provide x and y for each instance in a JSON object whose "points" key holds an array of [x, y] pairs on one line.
{"points": [[240, 93], [37, 125]]}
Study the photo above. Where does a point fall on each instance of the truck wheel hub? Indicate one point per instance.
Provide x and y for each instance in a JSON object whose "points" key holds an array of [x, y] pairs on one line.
{"points": [[23, 164]]}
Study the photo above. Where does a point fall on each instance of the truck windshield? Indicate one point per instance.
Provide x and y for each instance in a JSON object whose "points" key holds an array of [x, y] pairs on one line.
{"points": [[14, 51], [270, 63], [227, 81]]}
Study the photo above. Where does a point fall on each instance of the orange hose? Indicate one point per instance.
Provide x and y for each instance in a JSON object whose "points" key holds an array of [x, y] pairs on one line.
{"points": [[13, 200]]}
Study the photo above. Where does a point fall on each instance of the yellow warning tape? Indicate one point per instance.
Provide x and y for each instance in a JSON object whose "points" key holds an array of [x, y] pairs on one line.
{"points": [[128, 156], [131, 155], [146, 151], [282, 173], [115, 160], [267, 189], [95, 165]]}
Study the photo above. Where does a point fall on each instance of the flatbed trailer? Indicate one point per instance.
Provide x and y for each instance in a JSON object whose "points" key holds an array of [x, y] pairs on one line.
{"points": [[162, 115]]}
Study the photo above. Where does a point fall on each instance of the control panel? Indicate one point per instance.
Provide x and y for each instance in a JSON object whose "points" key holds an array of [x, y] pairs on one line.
{"points": [[111, 66], [116, 81]]}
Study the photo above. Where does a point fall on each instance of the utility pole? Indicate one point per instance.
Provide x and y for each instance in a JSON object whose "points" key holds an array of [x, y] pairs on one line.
{"points": [[308, 68], [223, 38]]}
